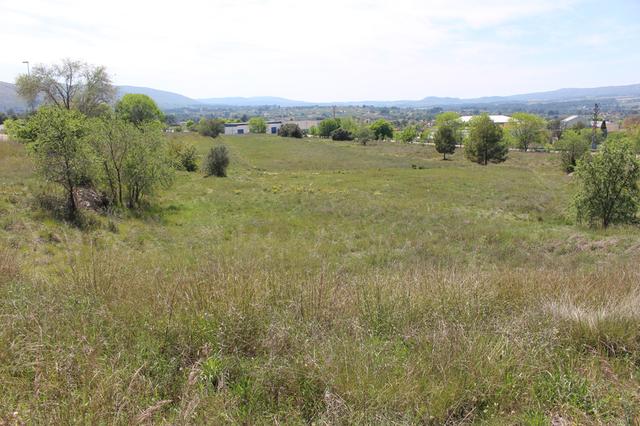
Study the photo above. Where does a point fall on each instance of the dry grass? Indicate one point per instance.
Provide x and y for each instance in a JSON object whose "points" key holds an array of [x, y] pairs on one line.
{"points": [[304, 297]]}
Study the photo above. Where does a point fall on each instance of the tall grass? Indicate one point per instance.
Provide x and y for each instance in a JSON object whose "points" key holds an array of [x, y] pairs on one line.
{"points": [[379, 294]]}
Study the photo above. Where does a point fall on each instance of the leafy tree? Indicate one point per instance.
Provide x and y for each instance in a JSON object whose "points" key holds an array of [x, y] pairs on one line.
{"points": [[327, 126], [70, 84], [382, 129], [190, 124], [113, 140], [61, 152], [365, 134], [257, 125], [138, 109], [445, 139], [341, 134], [484, 143], [408, 134], [451, 118], [217, 161], [290, 130], [608, 182], [211, 127], [572, 146], [132, 160], [526, 130], [147, 165]]}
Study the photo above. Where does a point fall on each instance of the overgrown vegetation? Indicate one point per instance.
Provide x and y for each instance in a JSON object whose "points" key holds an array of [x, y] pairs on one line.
{"points": [[318, 284]]}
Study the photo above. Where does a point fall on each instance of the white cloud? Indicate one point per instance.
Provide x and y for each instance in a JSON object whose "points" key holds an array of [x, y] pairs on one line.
{"points": [[329, 50]]}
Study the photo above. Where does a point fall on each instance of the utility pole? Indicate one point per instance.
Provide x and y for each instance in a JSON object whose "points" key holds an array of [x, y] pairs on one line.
{"points": [[594, 127], [28, 69]]}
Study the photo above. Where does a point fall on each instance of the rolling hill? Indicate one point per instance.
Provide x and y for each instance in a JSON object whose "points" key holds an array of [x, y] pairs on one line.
{"points": [[9, 100]]}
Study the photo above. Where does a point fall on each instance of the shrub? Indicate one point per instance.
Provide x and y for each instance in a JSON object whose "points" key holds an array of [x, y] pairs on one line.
{"points": [[217, 161], [183, 156], [608, 181], [341, 134], [290, 130]]}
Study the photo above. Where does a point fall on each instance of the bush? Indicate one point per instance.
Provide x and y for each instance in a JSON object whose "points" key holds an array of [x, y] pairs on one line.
{"points": [[609, 190], [290, 130], [183, 156], [217, 161], [341, 134]]}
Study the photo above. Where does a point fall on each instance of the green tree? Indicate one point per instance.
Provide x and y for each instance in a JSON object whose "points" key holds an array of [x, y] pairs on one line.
{"points": [[257, 125], [526, 130], [382, 129], [608, 185], [147, 166], [113, 140], [408, 134], [70, 84], [448, 118], [484, 143], [138, 109], [327, 126], [217, 161], [572, 146], [211, 127], [61, 152], [445, 139]]}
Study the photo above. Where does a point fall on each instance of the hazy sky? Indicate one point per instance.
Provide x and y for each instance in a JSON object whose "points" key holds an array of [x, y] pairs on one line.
{"points": [[332, 50]]}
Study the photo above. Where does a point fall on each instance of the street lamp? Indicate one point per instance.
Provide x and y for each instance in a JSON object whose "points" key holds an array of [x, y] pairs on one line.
{"points": [[28, 70]]}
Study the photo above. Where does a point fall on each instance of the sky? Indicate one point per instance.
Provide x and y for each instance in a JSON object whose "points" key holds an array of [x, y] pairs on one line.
{"points": [[332, 50]]}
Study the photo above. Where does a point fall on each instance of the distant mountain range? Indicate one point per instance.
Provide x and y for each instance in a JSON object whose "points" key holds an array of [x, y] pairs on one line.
{"points": [[169, 100]]}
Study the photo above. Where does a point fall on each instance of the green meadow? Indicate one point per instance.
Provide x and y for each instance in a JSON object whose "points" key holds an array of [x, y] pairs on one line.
{"points": [[320, 282]]}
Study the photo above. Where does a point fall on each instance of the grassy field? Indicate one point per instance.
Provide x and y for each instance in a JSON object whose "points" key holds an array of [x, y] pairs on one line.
{"points": [[321, 282]]}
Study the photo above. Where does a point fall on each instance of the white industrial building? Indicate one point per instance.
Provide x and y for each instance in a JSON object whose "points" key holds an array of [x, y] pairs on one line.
{"points": [[243, 128], [498, 119]]}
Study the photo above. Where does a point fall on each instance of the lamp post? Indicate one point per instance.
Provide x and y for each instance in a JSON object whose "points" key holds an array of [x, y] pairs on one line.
{"points": [[28, 69]]}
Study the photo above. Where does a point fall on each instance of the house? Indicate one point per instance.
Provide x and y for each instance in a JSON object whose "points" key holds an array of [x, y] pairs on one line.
{"points": [[243, 128], [501, 120]]}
